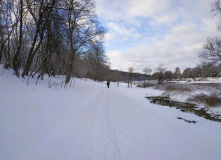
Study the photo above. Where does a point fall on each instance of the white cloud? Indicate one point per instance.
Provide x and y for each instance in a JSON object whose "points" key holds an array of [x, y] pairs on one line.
{"points": [[115, 9], [179, 47], [110, 36], [173, 34], [121, 30], [167, 19]]}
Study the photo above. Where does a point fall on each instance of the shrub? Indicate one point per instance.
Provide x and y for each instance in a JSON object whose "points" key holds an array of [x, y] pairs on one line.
{"points": [[177, 88], [213, 100], [145, 85], [207, 100]]}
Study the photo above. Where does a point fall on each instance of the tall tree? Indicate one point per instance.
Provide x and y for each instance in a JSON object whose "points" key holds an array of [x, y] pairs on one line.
{"points": [[16, 61], [146, 71], [41, 20], [168, 75], [160, 70], [211, 53], [82, 30], [187, 73], [130, 77], [8, 23], [177, 73], [53, 37]]}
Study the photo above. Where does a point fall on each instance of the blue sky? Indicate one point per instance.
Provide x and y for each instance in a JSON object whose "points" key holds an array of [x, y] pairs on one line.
{"points": [[149, 33]]}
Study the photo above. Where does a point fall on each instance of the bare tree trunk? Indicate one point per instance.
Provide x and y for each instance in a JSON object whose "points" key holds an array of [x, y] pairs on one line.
{"points": [[70, 70], [2, 46], [34, 50], [16, 61], [72, 50]]}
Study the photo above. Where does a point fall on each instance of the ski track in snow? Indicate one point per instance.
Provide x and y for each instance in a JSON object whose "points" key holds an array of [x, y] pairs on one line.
{"points": [[104, 142]]}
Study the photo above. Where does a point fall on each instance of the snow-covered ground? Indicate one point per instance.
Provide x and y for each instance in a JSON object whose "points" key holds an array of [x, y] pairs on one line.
{"points": [[93, 122]]}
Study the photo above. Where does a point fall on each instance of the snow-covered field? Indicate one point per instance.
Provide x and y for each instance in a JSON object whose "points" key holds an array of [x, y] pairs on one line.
{"points": [[92, 122]]}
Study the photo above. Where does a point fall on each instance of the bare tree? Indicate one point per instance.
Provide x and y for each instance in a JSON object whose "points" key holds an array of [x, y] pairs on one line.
{"points": [[196, 71], [212, 51], [168, 75], [146, 71], [52, 37], [160, 70], [82, 30], [8, 23], [49, 54], [208, 70], [130, 76], [116, 77], [177, 73], [16, 61], [187, 73], [41, 21], [99, 59], [216, 10]]}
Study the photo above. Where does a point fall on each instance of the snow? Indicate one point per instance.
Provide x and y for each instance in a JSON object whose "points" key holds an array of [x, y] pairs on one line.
{"points": [[200, 80], [91, 121]]}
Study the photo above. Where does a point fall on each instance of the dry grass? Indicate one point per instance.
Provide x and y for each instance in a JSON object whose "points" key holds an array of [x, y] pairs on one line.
{"points": [[177, 88], [208, 100], [172, 89], [145, 85]]}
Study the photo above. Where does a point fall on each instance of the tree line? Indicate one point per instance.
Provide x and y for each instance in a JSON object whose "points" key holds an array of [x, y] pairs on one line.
{"points": [[200, 71], [52, 37]]}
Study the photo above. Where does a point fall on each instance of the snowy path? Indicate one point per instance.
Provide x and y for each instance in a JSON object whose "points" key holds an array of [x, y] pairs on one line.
{"points": [[91, 122]]}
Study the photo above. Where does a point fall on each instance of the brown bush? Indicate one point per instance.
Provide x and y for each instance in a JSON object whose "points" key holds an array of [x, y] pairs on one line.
{"points": [[177, 88], [200, 98], [170, 88], [208, 100], [145, 85], [213, 100]]}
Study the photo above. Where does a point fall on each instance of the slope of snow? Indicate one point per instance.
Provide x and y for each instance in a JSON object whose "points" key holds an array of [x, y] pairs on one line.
{"points": [[93, 122]]}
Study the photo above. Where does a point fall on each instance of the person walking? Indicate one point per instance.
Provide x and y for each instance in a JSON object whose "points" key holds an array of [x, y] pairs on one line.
{"points": [[108, 84]]}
